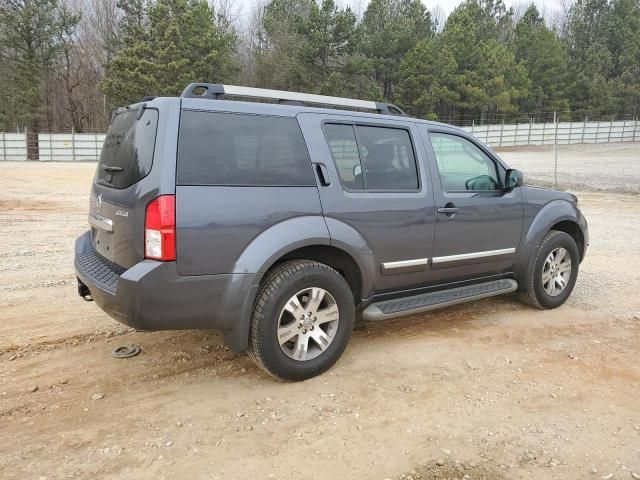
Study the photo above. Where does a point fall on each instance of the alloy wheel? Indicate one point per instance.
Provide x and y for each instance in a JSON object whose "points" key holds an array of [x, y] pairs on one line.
{"points": [[308, 323]]}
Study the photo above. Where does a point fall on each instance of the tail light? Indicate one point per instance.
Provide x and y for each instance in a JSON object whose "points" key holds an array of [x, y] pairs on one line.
{"points": [[160, 229]]}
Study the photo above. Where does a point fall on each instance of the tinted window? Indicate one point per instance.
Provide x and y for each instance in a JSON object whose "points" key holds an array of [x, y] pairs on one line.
{"points": [[344, 149], [462, 165], [127, 152], [377, 158], [233, 149], [388, 159]]}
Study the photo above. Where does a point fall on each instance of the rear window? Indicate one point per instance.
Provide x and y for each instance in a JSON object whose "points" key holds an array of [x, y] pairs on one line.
{"points": [[127, 152], [241, 150]]}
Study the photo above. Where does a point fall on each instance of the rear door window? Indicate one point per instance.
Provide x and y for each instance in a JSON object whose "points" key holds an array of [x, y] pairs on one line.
{"points": [[373, 158], [344, 149], [127, 152], [241, 150]]}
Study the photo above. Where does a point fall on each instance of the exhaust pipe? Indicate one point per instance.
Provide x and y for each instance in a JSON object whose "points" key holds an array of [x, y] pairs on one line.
{"points": [[84, 292]]}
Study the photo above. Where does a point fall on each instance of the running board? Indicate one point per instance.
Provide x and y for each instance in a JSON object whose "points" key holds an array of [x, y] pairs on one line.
{"points": [[442, 298]]}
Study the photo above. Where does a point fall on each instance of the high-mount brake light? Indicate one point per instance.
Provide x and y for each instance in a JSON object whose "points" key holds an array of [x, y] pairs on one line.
{"points": [[160, 229]]}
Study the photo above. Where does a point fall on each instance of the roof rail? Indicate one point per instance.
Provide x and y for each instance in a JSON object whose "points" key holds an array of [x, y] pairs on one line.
{"points": [[215, 91]]}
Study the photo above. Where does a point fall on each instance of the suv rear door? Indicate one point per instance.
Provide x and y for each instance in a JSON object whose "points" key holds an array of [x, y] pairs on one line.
{"points": [[478, 222], [137, 163], [380, 187]]}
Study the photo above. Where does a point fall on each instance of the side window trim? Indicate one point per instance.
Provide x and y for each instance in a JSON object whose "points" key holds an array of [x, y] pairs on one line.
{"points": [[354, 124], [496, 163]]}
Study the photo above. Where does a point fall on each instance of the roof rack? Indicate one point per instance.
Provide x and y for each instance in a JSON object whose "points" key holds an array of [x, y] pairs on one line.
{"points": [[215, 91]]}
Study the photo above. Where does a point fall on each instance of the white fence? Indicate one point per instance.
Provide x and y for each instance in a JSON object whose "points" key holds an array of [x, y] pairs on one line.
{"points": [[70, 147], [56, 147], [87, 146], [566, 132], [13, 146]]}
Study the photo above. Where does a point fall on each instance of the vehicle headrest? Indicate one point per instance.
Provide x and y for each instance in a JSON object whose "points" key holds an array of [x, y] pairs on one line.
{"points": [[380, 157]]}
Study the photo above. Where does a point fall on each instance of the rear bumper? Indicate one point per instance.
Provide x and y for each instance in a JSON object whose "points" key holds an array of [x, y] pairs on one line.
{"points": [[153, 296]]}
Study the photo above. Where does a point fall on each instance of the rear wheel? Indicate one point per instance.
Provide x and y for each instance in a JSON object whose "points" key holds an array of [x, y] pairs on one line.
{"points": [[553, 271], [302, 320]]}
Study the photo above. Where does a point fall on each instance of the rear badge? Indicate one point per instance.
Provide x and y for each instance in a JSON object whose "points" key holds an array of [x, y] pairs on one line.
{"points": [[122, 213]]}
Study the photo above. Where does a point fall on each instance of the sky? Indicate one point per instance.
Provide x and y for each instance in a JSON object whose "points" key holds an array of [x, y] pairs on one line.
{"points": [[547, 7]]}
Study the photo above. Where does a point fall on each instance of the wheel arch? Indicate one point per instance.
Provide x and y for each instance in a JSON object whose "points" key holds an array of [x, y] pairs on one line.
{"points": [[299, 238], [334, 257], [573, 229], [558, 215]]}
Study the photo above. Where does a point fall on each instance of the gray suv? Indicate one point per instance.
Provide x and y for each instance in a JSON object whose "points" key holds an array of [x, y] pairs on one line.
{"points": [[279, 223]]}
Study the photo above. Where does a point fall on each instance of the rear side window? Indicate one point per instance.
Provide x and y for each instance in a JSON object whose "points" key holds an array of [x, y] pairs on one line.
{"points": [[241, 150], [127, 152], [373, 158]]}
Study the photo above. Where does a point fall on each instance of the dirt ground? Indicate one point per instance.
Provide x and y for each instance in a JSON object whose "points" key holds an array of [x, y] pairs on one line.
{"points": [[487, 390], [611, 167]]}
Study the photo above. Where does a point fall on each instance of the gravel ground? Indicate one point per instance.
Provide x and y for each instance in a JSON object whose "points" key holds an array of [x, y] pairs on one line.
{"points": [[611, 167], [487, 390]]}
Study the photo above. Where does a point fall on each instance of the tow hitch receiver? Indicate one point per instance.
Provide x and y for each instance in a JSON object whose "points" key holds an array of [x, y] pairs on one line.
{"points": [[84, 292]]}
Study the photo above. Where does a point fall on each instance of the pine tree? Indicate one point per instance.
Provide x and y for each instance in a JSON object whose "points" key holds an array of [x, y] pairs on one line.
{"points": [[427, 85], [390, 29], [545, 59], [29, 30], [165, 46]]}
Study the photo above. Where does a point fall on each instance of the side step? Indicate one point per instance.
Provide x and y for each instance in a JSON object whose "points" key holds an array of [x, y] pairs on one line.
{"points": [[442, 298]]}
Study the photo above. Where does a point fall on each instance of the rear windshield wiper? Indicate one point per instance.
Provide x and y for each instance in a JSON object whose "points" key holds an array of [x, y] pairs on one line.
{"points": [[112, 168]]}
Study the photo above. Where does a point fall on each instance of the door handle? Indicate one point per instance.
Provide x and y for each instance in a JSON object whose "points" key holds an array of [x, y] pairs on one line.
{"points": [[323, 175], [449, 209]]}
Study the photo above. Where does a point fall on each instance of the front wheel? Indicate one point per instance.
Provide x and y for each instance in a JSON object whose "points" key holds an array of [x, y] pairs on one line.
{"points": [[302, 320], [553, 271]]}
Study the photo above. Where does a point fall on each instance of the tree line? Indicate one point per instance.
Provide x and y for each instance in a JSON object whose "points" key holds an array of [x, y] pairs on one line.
{"points": [[66, 64]]}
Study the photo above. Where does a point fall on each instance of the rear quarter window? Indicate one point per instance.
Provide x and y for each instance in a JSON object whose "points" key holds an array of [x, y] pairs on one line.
{"points": [[241, 150], [127, 152]]}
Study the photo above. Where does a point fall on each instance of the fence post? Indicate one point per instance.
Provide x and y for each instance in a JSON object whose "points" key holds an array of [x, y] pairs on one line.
{"points": [[530, 127], [73, 144], [501, 129], [570, 132], [95, 145], [584, 127], [555, 150], [515, 139], [4, 146], [635, 127], [610, 128], [597, 131]]}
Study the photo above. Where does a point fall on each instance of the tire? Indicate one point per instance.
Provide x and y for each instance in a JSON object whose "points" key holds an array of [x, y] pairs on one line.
{"points": [[543, 293], [273, 320]]}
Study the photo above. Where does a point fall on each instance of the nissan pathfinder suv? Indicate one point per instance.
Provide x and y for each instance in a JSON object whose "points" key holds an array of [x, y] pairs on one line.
{"points": [[280, 217]]}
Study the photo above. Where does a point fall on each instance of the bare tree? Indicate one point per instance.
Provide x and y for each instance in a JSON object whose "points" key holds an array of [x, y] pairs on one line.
{"points": [[439, 17]]}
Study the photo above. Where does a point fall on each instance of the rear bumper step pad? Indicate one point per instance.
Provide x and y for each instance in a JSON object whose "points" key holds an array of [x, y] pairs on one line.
{"points": [[442, 298]]}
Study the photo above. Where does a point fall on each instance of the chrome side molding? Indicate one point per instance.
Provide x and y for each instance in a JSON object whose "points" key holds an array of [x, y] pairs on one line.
{"points": [[471, 255], [405, 266]]}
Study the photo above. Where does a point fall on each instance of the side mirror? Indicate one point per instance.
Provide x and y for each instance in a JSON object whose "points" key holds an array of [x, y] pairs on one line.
{"points": [[513, 179]]}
